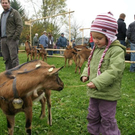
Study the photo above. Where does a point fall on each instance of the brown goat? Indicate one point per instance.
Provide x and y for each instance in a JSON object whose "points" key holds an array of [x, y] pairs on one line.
{"points": [[80, 47], [21, 82], [27, 49], [32, 51], [42, 53], [81, 56], [69, 54]]}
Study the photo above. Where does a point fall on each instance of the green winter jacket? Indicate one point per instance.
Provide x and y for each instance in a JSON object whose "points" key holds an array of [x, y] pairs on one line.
{"points": [[108, 83], [14, 25]]}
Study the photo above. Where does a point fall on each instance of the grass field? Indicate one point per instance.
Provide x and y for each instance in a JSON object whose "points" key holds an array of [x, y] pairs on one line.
{"points": [[69, 107]]}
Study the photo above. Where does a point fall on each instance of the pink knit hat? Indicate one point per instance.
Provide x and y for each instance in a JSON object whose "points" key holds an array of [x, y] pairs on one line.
{"points": [[106, 24]]}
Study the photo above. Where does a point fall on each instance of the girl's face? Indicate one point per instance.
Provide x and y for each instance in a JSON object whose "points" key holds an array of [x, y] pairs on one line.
{"points": [[99, 39]]}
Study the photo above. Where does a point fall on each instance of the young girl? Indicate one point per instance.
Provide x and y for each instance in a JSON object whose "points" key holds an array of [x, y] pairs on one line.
{"points": [[104, 72]]}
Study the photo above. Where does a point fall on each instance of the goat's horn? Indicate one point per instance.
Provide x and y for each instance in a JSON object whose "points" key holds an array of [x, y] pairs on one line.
{"points": [[38, 65], [50, 69]]}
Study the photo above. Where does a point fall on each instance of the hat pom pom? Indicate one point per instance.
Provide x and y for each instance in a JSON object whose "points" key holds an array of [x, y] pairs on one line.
{"points": [[110, 13]]}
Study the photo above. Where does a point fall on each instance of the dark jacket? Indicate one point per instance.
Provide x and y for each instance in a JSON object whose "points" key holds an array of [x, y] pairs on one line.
{"points": [[62, 41], [35, 41], [131, 32], [121, 29], [43, 40], [14, 25], [50, 42]]}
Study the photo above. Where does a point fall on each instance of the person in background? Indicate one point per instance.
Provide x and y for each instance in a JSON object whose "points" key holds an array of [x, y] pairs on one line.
{"points": [[104, 72], [57, 46], [43, 40], [91, 39], [62, 42], [35, 40], [67, 43], [131, 37], [86, 42], [0, 49], [121, 29], [73, 43], [11, 27], [54, 47], [50, 43]]}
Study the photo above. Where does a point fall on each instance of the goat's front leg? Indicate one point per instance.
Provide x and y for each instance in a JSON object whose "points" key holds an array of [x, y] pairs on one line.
{"points": [[77, 64], [80, 65], [65, 62], [27, 57], [28, 114], [10, 124], [31, 56], [48, 94], [38, 55], [35, 55], [43, 57], [42, 101], [69, 62], [46, 57]]}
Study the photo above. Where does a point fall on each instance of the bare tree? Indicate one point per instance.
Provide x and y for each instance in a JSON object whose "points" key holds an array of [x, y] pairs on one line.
{"points": [[75, 31], [33, 4], [48, 9]]}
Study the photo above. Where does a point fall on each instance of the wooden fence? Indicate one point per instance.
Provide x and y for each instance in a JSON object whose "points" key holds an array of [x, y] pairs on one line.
{"points": [[128, 51]]}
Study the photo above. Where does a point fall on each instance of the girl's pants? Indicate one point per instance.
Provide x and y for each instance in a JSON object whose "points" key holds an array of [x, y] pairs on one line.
{"points": [[101, 117]]}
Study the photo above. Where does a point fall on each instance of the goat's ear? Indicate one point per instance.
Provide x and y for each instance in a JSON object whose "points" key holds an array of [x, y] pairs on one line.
{"points": [[74, 52], [54, 70], [75, 49]]}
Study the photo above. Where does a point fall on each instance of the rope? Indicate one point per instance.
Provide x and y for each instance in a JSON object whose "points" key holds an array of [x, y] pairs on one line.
{"points": [[75, 86]]}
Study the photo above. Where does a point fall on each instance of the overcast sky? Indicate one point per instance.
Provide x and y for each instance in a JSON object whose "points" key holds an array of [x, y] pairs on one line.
{"points": [[86, 10]]}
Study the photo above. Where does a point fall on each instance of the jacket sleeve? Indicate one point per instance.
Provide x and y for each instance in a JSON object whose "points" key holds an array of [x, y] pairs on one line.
{"points": [[66, 41], [36, 40], [85, 72], [113, 72], [0, 27], [46, 40], [128, 33], [59, 41], [19, 25], [124, 29]]}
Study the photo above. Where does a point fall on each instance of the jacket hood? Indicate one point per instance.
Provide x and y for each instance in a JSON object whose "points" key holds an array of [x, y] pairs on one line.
{"points": [[117, 43]]}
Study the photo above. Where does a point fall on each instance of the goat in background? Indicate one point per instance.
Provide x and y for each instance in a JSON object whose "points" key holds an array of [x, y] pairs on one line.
{"points": [[81, 57], [42, 53], [69, 54]]}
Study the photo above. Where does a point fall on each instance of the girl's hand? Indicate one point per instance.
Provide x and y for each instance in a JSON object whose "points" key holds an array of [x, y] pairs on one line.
{"points": [[84, 78], [91, 85]]}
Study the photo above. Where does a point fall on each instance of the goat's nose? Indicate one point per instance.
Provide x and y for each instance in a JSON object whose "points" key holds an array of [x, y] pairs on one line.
{"points": [[61, 88]]}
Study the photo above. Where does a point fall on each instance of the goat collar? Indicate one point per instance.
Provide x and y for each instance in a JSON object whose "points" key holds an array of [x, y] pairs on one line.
{"points": [[17, 102]]}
